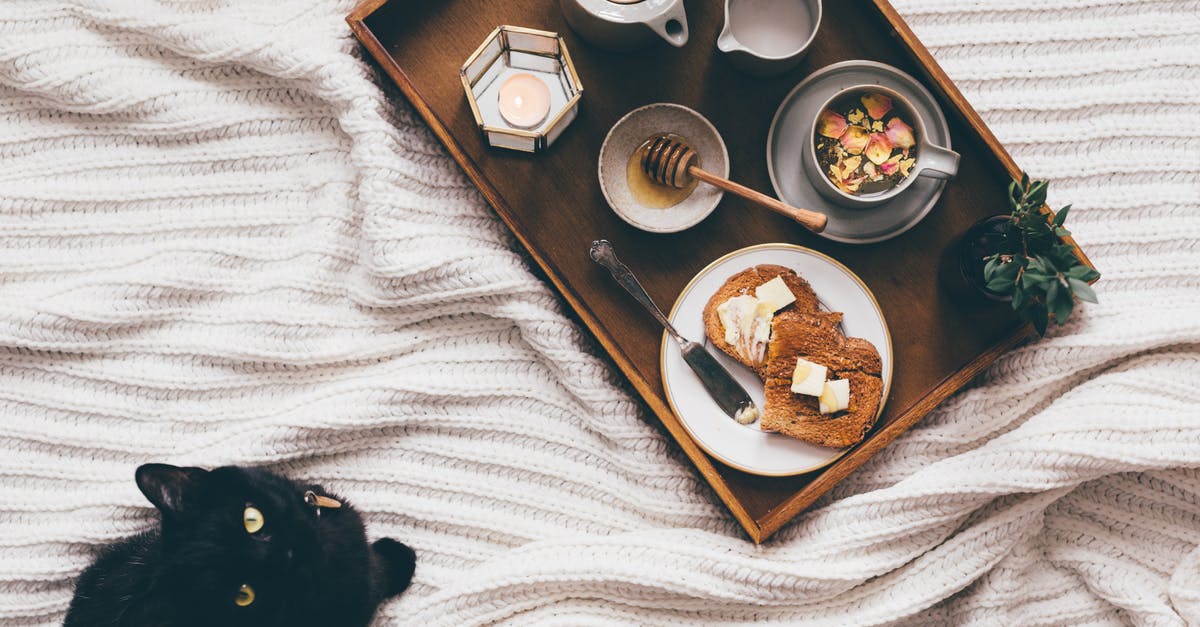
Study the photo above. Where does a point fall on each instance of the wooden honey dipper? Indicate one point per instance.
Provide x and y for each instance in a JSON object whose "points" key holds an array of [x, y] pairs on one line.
{"points": [[673, 163]]}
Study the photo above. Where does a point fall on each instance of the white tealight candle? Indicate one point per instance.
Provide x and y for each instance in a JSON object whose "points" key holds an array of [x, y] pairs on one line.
{"points": [[524, 100]]}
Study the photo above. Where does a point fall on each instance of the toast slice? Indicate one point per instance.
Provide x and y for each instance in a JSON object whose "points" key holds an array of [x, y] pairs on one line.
{"points": [[802, 330], [743, 283], [816, 338]]}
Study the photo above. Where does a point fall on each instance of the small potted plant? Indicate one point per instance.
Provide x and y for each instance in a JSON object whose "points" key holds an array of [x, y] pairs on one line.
{"points": [[1021, 258]]}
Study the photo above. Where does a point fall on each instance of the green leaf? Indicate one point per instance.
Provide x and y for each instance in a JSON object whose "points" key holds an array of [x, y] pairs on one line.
{"points": [[1037, 195], [1034, 280], [1083, 290], [1064, 257], [1000, 285], [1038, 315], [1009, 270], [1083, 273], [1060, 302], [1018, 295], [989, 268], [1061, 216], [1024, 181], [1049, 264], [1061, 232]]}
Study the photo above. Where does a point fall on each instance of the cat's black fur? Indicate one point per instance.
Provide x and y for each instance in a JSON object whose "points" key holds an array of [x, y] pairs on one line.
{"points": [[305, 569]]}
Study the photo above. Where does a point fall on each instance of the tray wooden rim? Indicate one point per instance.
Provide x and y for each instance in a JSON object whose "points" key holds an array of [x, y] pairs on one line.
{"points": [[758, 530]]}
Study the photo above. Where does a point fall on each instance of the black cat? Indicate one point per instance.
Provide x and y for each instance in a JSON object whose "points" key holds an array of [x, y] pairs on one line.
{"points": [[241, 546]]}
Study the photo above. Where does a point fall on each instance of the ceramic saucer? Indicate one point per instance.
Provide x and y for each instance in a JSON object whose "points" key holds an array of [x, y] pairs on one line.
{"points": [[792, 127], [746, 447]]}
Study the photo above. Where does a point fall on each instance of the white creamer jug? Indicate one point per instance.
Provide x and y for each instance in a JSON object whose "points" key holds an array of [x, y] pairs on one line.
{"points": [[627, 24], [768, 37]]}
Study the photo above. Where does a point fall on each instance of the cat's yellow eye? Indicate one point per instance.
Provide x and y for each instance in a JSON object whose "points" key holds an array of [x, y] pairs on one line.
{"points": [[252, 519], [245, 596]]}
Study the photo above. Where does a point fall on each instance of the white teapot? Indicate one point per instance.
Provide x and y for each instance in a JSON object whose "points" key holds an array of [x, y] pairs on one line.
{"points": [[627, 24]]}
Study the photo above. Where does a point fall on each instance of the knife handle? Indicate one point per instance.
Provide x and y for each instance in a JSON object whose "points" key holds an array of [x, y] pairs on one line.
{"points": [[602, 253]]}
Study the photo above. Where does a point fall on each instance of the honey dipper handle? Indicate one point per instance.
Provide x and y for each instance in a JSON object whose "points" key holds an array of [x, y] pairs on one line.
{"points": [[810, 220]]}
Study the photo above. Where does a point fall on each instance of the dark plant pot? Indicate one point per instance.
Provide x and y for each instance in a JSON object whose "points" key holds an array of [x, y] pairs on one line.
{"points": [[961, 270]]}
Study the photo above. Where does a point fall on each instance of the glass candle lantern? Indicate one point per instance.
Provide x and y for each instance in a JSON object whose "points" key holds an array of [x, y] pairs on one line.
{"points": [[522, 88]]}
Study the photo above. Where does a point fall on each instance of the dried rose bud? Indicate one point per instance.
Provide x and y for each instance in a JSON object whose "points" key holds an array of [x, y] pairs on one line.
{"points": [[855, 139], [879, 148], [900, 133], [831, 125], [890, 166], [877, 105]]}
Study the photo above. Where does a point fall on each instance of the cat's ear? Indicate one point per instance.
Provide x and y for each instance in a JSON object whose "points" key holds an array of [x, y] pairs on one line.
{"points": [[172, 489]]}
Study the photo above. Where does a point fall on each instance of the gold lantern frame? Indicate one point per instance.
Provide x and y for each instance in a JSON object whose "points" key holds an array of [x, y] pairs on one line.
{"points": [[538, 51]]}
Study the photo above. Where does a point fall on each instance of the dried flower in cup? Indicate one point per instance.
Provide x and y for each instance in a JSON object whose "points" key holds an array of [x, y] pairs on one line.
{"points": [[864, 144]]}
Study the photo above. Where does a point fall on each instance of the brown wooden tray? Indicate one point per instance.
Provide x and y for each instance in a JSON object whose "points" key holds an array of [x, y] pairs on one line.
{"points": [[553, 204]]}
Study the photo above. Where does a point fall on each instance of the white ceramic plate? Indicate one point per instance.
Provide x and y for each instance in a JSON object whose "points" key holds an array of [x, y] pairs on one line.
{"points": [[745, 447]]}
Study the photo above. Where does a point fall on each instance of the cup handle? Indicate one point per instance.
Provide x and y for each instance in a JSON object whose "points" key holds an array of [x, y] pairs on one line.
{"points": [[937, 162]]}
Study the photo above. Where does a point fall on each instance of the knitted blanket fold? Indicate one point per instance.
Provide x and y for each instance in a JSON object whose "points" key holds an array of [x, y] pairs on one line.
{"points": [[221, 241]]}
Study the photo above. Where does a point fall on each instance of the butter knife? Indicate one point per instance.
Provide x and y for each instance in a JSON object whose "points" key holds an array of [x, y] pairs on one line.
{"points": [[721, 385]]}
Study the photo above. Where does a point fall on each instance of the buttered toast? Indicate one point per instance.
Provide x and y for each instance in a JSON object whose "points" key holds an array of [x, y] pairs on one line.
{"points": [[801, 331]]}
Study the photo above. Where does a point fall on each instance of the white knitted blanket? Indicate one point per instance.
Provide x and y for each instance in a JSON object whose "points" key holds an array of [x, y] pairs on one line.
{"points": [[221, 242]]}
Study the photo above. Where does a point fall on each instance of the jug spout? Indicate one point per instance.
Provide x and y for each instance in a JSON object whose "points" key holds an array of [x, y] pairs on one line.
{"points": [[726, 42], [672, 26]]}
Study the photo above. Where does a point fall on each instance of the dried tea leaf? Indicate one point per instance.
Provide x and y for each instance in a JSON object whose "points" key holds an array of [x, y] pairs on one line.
{"points": [[877, 105], [900, 133], [906, 166], [879, 148], [855, 139], [877, 126], [831, 124], [855, 116]]}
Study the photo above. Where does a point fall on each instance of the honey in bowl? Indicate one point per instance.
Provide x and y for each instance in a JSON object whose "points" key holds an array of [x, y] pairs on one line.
{"points": [[865, 144], [644, 190]]}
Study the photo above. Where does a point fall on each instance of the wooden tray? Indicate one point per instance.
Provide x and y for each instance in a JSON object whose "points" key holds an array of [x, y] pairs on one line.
{"points": [[553, 204]]}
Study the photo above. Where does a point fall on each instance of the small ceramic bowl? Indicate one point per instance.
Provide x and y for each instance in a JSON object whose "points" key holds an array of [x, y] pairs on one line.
{"points": [[629, 133]]}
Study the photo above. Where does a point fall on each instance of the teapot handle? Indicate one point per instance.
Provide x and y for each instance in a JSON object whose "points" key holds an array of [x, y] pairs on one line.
{"points": [[671, 25]]}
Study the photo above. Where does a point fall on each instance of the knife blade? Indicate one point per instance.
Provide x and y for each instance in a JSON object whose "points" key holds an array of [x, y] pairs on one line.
{"points": [[729, 395]]}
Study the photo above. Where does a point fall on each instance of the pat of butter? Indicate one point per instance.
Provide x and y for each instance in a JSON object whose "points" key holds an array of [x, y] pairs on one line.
{"points": [[809, 378], [835, 397], [747, 323], [775, 292], [747, 415], [736, 315]]}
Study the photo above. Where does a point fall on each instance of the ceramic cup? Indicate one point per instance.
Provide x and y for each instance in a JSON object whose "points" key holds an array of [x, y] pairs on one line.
{"points": [[768, 37], [932, 160]]}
